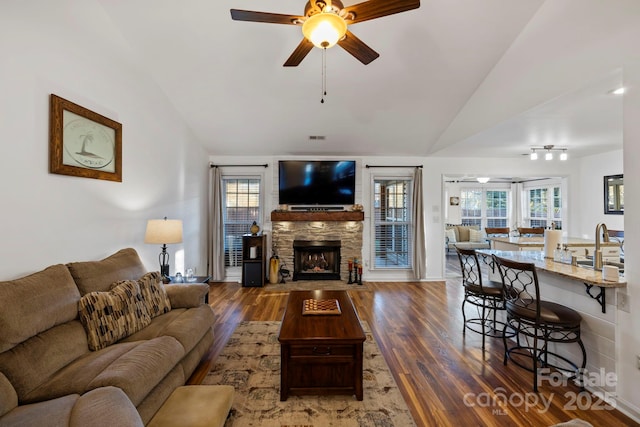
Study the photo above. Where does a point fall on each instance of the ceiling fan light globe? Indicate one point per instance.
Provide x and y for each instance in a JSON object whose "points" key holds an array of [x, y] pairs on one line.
{"points": [[324, 30]]}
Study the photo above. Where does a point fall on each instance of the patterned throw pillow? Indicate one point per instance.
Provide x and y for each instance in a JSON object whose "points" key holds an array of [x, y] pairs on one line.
{"points": [[154, 295], [110, 316]]}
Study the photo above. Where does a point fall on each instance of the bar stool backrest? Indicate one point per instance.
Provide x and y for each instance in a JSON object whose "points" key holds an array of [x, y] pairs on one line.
{"points": [[470, 267], [520, 285]]}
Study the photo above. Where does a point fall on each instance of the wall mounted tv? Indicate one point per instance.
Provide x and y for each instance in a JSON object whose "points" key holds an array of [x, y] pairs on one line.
{"points": [[322, 182]]}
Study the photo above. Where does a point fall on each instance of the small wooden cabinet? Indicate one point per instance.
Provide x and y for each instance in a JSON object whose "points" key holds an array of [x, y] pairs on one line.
{"points": [[253, 260]]}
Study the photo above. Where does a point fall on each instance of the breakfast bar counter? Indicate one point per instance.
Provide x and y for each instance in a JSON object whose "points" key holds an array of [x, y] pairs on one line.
{"points": [[580, 273], [537, 243]]}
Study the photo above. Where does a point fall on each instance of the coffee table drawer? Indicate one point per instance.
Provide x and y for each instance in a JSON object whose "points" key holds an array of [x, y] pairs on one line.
{"points": [[322, 350]]}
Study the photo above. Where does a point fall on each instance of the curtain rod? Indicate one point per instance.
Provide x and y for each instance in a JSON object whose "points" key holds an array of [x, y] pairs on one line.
{"points": [[391, 166], [265, 165]]}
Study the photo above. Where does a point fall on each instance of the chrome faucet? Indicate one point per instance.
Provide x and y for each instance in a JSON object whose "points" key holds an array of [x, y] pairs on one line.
{"points": [[601, 232]]}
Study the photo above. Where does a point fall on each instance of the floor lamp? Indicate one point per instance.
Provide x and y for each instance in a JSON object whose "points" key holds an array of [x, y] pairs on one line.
{"points": [[163, 231]]}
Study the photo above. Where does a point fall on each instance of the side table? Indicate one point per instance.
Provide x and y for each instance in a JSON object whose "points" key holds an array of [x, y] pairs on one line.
{"points": [[195, 279]]}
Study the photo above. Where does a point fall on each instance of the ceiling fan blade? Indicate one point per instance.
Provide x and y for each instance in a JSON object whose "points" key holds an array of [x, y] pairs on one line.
{"points": [[377, 8], [358, 48], [270, 18], [299, 53]]}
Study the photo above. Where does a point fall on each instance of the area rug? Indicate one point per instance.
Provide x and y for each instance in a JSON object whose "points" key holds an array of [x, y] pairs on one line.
{"points": [[309, 285], [251, 363]]}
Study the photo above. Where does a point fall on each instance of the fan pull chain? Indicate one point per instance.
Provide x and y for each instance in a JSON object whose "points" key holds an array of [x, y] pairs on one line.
{"points": [[324, 74]]}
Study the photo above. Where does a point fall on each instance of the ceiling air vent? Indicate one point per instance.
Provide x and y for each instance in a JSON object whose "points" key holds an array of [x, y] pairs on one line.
{"points": [[317, 137]]}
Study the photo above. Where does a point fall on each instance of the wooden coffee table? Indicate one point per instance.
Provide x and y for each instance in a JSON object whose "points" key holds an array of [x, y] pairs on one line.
{"points": [[320, 353]]}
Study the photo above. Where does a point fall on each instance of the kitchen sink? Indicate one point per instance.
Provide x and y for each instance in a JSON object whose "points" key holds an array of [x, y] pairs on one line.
{"points": [[588, 263]]}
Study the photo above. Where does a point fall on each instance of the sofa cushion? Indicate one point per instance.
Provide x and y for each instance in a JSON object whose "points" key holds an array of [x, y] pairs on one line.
{"points": [[97, 276], [110, 316], [8, 396], [472, 245], [476, 236], [463, 233], [32, 362], [186, 325], [51, 293], [135, 367], [54, 412], [154, 295], [138, 371], [450, 234]]}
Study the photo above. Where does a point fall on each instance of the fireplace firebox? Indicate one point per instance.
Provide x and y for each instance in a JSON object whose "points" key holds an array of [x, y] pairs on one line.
{"points": [[316, 260]]}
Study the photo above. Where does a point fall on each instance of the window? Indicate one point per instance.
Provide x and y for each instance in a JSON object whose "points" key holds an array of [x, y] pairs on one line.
{"points": [[471, 207], [241, 198], [497, 208], [392, 223], [545, 206], [484, 208]]}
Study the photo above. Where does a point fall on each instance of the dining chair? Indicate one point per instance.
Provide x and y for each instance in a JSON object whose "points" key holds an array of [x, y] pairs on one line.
{"points": [[530, 231]]}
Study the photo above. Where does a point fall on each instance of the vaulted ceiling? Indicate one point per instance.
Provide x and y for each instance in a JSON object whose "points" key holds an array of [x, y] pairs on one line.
{"points": [[454, 77]]}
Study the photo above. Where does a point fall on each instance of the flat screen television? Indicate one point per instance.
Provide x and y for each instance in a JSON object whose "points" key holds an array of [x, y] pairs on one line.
{"points": [[317, 182]]}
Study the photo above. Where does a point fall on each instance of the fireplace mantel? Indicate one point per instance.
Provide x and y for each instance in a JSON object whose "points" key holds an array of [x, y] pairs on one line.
{"points": [[317, 216]]}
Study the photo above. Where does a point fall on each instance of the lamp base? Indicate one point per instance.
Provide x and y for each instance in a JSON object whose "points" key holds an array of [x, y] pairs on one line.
{"points": [[164, 270], [163, 259]]}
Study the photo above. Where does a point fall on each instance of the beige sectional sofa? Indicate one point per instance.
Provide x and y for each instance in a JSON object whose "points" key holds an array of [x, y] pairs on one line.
{"points": [[50, 376]]}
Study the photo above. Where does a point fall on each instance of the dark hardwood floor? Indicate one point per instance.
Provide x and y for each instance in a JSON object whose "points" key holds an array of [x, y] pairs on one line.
{"points": [[444, 377]]}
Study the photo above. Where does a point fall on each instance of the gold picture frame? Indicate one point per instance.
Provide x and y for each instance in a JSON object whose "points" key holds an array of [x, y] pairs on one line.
{"points": [[83, 143], [454, 201]]}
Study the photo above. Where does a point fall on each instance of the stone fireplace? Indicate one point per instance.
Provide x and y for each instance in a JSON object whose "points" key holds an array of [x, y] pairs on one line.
{"points": [[316, 260], [343, 227]]}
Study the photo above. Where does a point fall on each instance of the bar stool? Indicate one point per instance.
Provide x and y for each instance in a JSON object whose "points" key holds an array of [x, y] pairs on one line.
{"points": [[485, 296], [538, 322]]}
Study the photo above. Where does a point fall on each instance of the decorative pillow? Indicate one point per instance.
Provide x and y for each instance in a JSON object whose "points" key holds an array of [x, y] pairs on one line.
{"points": [[110, 316], [476, 236], [153, 294], [451, 235]]}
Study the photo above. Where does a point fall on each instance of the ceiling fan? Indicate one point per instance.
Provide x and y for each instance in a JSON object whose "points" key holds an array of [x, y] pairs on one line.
{"points": [[325, 22]]}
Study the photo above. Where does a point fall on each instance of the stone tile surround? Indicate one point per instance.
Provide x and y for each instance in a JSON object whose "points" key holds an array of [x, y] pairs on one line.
{"points": [[348, 232]]}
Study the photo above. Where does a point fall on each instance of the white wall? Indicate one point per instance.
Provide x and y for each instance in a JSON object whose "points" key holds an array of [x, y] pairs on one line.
{"points": [[628, 333], [452, 214], [69, 48], [590, 185]]}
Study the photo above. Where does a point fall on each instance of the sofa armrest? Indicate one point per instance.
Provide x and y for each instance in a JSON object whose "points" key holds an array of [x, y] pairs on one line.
{"points": [[105, 407], [187, 295], [101, 407]]}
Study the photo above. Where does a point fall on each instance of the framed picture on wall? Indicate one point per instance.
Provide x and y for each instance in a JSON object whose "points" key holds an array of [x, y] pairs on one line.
{"points": [[454, 201], [83, 143]]}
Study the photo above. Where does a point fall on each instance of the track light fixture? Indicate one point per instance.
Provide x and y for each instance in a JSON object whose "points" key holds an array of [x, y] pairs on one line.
{"points": [[548, 152]]}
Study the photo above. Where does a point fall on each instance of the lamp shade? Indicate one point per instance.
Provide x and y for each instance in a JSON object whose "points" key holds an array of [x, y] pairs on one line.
{"points": [[163, 231], [324, 29]]}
